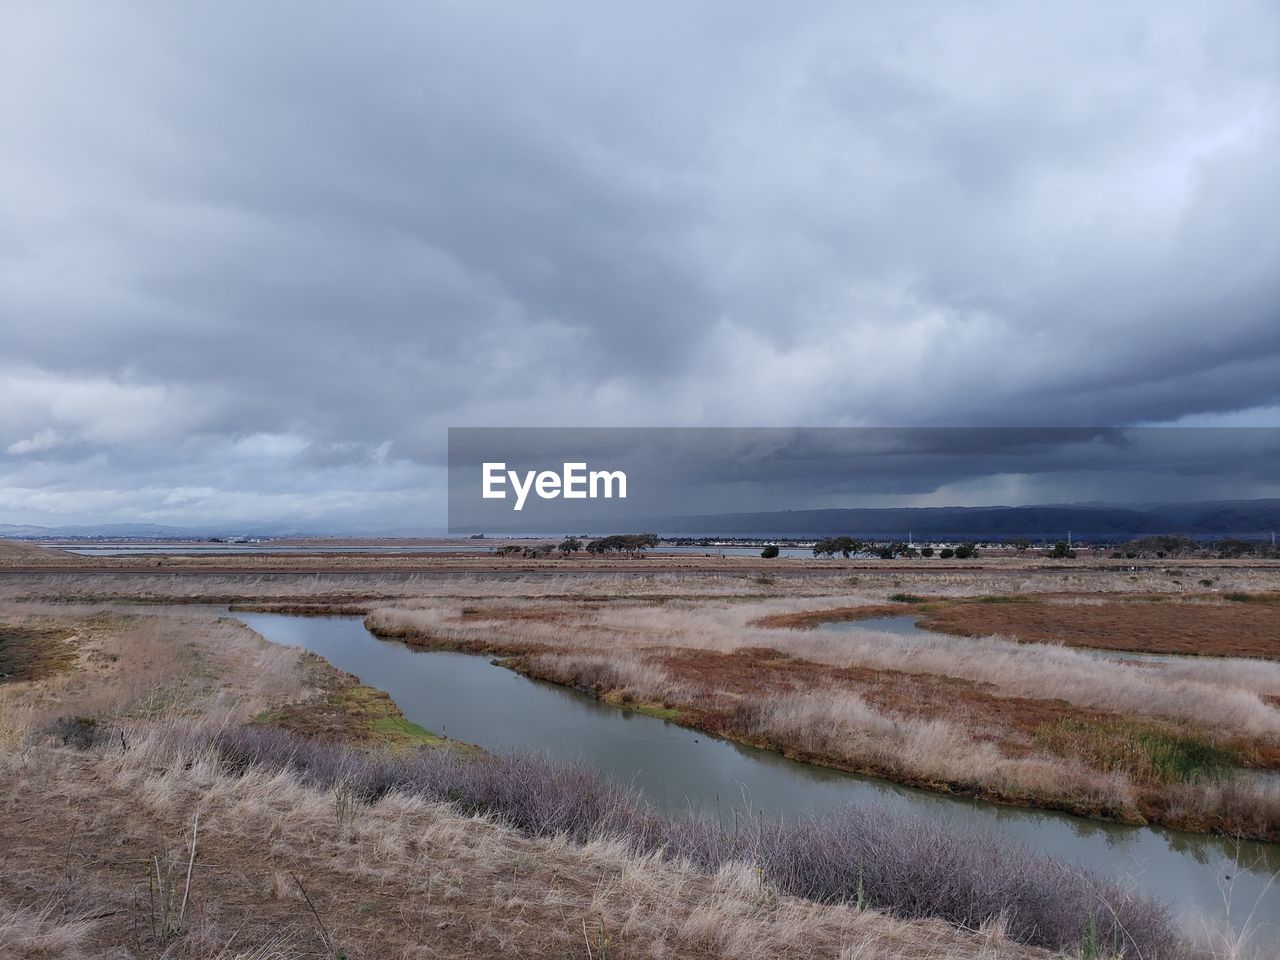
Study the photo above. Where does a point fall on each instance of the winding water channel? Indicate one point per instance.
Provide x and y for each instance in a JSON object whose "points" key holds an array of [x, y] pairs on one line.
{"points": [[469, 699]]}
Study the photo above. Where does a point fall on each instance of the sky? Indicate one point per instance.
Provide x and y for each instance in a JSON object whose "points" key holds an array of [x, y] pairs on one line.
{"points": [[690, 472], [255, 259]]}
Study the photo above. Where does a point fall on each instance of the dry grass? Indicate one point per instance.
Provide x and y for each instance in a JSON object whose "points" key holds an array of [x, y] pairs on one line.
{"points": [[148, 671], [400, 878], [1228, 698], [158, 663], [17, 720], [632, 638], [840, 725], [595, 581], [809, 693], [16, 551], [629, 678], [45, 931], [1052, 673]]}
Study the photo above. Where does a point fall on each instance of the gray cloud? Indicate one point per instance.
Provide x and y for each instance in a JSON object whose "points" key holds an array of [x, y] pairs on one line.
{"points": [[254, 259], [688, 472]]}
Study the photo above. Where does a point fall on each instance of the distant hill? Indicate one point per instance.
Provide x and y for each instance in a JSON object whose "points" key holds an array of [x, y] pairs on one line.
{"points": [[96, 530], [23, 530], [1248, 518], [158, 531]]}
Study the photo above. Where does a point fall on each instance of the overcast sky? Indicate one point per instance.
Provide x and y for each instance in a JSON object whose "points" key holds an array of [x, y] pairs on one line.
{"points": [[256, 258]]}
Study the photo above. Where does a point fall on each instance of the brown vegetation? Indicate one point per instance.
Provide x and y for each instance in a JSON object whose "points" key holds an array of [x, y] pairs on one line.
{"points": [[930, 710], [1223, 628], [1099, 572], [140, 848], [1026, 723], [923, 730], [32, 653], [279, 871]]}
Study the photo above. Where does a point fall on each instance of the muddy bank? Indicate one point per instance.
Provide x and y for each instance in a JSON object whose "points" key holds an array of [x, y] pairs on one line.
{"points": [[340, 709]]}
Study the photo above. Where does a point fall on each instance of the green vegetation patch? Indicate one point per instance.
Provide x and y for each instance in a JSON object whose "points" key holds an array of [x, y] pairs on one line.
{"points": [[398, 730], [905, 598], [1147, 754], [377, 719], [658, 710]]}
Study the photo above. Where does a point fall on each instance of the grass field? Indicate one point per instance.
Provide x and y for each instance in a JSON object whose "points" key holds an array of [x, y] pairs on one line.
{"points": [[109, 799], [131, 706], [956, 713]]}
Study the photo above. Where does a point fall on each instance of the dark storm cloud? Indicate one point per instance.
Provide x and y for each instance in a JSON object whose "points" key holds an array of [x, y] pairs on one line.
{"points": [[254, 259], [699, 471]]}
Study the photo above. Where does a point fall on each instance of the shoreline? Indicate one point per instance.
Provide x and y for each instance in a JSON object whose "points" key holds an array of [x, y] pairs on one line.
{"points": [[516, 661]]}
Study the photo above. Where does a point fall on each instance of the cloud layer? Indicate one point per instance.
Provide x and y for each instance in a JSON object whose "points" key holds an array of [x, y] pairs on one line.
{"points": [[255, 258]]}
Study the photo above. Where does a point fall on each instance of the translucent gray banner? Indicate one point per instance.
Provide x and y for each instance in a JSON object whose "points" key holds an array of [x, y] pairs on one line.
{"points": [[874, 482]]}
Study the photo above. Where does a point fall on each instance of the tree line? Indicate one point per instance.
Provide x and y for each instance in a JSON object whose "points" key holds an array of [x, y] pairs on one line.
{"points": [[848, 547], [632, 543]]}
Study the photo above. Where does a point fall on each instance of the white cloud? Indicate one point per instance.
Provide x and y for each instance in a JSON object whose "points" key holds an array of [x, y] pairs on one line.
{"points": [[46, 439], [251, 243]]}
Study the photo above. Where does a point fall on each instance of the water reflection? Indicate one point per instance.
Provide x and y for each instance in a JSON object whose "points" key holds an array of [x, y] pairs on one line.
{"points": [[905, 625]]}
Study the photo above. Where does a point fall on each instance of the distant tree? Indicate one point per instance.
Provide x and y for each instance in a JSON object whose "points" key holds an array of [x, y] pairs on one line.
{"points": [[965, 551], [1021, 544], [770, 551], [1164, 545], [926, 551], [1233, 548], [569, 545], [632, 543], [947, 553], [507, 550], [1061, 551], [830, 546]]}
